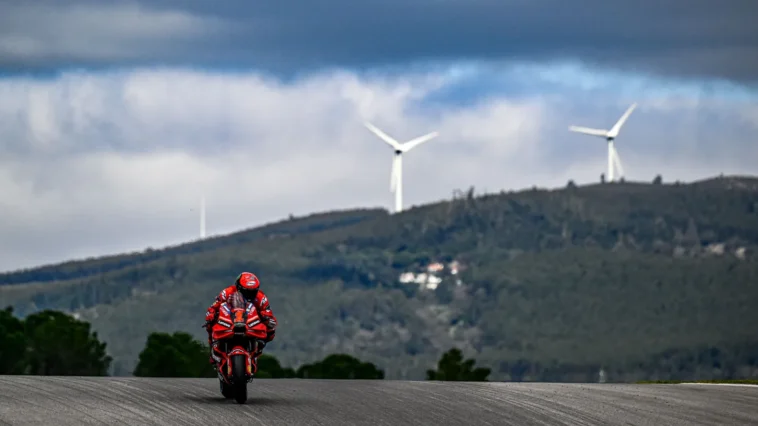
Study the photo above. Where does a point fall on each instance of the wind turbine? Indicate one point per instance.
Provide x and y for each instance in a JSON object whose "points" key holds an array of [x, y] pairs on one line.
{"points": [[610, 136], [202, 217], [396, 177]]}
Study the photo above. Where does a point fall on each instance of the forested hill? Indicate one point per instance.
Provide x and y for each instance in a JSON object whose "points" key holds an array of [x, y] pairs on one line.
{"points": [[543, 284], [82, 268]]}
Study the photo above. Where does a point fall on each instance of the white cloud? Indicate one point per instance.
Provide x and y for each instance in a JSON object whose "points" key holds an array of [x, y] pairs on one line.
{"points": [[97, 163]]}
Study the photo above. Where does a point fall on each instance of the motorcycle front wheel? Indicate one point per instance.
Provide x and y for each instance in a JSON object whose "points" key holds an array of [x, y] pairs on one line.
{"points": [[239, 378], [226, 390]]}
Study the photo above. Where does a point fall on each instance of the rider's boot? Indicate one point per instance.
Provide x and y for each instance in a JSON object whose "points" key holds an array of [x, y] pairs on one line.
{"points": [[211, 360], [259, 350]]}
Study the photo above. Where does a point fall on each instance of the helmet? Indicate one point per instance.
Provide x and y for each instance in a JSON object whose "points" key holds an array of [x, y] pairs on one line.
{"points": [[247, 284]]}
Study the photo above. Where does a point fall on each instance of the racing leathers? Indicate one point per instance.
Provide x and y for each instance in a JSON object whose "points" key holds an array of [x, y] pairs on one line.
{"points": [[260, 302]]}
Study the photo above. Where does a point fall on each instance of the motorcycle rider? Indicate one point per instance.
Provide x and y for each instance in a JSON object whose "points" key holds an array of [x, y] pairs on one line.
{"points": [[248, 285]]}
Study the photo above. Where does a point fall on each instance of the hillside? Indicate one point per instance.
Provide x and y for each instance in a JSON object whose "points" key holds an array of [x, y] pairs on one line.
{"points": [[614, 275]]}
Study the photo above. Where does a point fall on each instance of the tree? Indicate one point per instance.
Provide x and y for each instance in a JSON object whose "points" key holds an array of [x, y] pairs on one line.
{"points": [[269, 368], [174, 355], [60, 345], [452, 367], [340, 366], [658, 180], [12, 343]]}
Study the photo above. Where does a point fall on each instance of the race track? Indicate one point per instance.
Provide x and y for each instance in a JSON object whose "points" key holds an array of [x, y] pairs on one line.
{"points": [[140, 401]]}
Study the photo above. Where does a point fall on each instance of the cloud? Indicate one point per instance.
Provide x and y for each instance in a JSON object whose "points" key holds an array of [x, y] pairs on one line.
{"points": [[66, 33], [95, 163], [699, 39]]}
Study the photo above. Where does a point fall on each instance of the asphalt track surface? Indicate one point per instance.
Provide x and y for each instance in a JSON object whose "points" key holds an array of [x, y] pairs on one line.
{"points": [[142, 401]]}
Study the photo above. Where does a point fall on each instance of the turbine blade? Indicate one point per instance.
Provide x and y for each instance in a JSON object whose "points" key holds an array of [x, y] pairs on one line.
{"points": [[617, 127], [588, 131], [418, 141], [383, 136]]}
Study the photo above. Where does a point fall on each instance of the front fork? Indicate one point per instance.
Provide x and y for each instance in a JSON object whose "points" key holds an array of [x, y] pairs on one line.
{"points": [[251, 364]]}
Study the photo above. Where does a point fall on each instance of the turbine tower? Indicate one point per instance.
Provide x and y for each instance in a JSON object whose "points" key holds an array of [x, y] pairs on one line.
{"points": [[610, 136], [396, 177], [202, 217]]}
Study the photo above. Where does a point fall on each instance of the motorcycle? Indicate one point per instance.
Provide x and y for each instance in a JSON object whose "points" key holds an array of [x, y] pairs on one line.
{"points": [[238, 334]]}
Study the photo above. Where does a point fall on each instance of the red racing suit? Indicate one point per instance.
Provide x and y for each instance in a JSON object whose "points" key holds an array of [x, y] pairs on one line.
{"points": [[261, 305]]}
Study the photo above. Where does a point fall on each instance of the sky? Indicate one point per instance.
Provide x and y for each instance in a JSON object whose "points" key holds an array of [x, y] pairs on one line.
{"points": [[117, 117]]}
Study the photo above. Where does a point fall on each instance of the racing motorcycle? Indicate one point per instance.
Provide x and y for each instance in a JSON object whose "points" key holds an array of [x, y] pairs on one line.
{"points": [[237, 335]]}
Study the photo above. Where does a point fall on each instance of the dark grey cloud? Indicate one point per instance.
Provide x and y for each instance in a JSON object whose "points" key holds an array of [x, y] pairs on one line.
{"points": [[693, 38]]}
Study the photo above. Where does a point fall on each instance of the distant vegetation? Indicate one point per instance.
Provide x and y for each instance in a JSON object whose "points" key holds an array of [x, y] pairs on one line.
{"points": [[179, 355], [452, 367], [50, 343], [340, 366], [618, 282], [174, 355], [60, 345]]}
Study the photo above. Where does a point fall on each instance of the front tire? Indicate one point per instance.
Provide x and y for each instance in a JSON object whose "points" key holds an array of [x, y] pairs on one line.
{"points": [[239, 370], [226, 390]]}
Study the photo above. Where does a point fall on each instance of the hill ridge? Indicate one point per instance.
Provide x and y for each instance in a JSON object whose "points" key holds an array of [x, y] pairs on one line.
{"points": [[114, 262], [559, 280], [212, 242]]}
